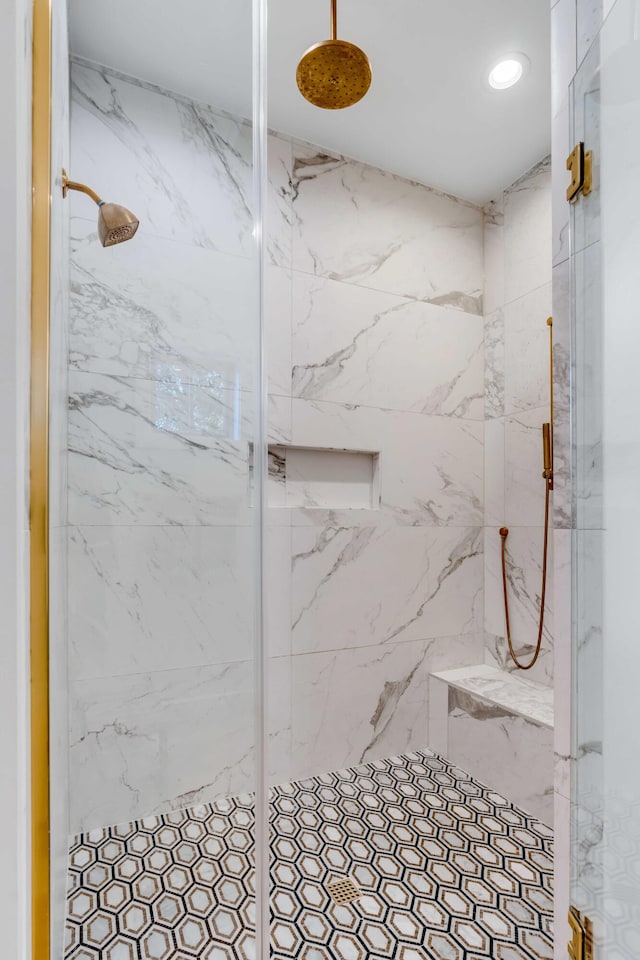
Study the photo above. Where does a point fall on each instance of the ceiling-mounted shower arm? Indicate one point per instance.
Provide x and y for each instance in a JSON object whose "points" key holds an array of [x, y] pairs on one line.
{"points": [[334, 19]]}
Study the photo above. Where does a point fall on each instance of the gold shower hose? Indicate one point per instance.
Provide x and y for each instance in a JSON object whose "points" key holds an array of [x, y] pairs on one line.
{"points": [[547, 473]]}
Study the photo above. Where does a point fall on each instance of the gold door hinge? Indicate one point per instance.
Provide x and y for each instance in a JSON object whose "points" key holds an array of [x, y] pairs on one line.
{"points": [[581, 944], [580, 164]]}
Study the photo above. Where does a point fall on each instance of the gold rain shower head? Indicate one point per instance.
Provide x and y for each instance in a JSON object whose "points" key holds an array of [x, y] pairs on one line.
{"points": [[334, 74], [115, 223]]}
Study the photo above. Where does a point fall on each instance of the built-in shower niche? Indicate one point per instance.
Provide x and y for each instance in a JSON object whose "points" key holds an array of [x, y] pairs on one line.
{"points": [[323, 478]]}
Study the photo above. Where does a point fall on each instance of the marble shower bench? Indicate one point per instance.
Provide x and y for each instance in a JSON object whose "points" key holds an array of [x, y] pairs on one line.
{"points": [[498, 726]]}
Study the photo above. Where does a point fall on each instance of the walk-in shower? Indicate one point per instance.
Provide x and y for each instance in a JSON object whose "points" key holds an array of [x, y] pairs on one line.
{"points": [[286, 718]]}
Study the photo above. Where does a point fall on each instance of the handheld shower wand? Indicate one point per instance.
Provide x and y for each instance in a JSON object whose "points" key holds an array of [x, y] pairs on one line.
{"points": [[547, 474]]}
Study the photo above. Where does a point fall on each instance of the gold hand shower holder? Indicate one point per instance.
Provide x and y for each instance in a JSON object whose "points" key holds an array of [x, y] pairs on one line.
{"points": [[547, 474]]}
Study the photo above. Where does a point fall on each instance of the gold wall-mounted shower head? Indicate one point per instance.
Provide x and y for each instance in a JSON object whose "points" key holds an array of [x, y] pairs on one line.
{"points": [[115, 223], [334, 74]]}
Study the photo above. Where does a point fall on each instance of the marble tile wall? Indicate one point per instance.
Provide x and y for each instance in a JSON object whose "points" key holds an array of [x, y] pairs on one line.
{"points": [[375, 343], [161, 414], [386, 356], [517, 304]]}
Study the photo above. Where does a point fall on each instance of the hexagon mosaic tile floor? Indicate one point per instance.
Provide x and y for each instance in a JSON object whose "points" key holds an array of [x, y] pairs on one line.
{"points": [[446, 869]]}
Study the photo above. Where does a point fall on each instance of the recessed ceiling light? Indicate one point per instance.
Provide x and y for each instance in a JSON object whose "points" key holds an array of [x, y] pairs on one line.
{"points": [[508, 71]]}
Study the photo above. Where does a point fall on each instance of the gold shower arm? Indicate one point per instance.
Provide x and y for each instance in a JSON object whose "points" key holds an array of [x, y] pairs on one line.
{"points": [[334, 19], [81, 187]]}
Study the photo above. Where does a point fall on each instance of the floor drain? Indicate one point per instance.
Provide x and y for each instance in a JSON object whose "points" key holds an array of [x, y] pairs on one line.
{"points": [[344, 891]]}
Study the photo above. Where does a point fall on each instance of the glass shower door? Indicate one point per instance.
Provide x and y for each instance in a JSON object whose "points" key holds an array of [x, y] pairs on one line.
{"points": [[605, 254], [156, 392]]}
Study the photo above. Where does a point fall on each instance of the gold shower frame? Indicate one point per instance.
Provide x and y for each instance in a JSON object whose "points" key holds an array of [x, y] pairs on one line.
{"points": [[39, 479]]}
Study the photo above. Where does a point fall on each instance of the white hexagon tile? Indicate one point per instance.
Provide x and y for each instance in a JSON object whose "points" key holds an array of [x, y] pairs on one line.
{"points": [[442, 867]]}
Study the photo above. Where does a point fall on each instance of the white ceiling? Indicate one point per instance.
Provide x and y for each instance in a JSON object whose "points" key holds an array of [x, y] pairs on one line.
{"points": [[429, 116]]}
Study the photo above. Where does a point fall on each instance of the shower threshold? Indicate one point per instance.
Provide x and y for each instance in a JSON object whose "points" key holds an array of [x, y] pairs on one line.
{"points": [[437, 867]]}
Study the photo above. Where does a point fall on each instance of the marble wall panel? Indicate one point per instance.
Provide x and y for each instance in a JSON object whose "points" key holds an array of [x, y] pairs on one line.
{"points": [[518, 274], [332, 322], [399, 236], [524, 578], [419, 582], [185, 170], [161, 309], [494, 472], [154, 741], [278, 595], [278, 319], [157, 452], [374, 343], [158, 598], [527, 232], [357, 345], [526, 345], [430, 467], [494, 360], [523, 460], [356, 705], [494, 264]]}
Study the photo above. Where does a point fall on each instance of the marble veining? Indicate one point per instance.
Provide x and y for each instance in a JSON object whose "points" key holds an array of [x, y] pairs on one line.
{"points": [[517, 694], [153, 742], [527, 232], [508, 749], [524, 484], [524, 578], [348, 339], [499, 725], [430, 467], [157, 452], [373, 228], [517, 233], [494, 360], [375, 342], [413, 598], [158, 598], [186, 169], [128, 310]]}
